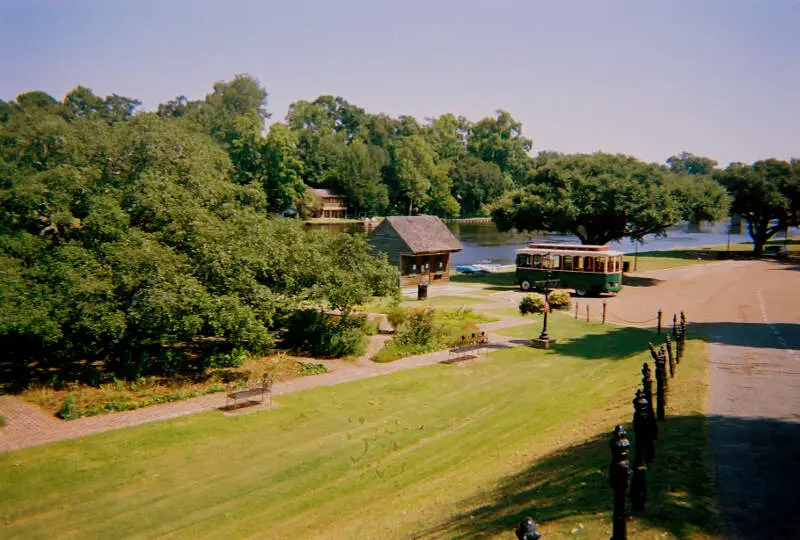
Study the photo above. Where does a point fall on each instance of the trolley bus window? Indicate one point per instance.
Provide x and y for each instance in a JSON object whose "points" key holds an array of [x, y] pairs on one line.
{"points": [[601, 264], [588, 264], [555, 262], [537, 261], [523, 260], [567, 262]]}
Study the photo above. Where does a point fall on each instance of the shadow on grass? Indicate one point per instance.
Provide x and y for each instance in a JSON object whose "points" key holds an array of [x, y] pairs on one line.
{"points": [[619, 342], [639, 281], [574, 482], [759, 335]]}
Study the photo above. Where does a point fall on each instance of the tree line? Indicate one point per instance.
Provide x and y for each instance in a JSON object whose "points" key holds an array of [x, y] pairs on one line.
{"points": [[122, 231]]}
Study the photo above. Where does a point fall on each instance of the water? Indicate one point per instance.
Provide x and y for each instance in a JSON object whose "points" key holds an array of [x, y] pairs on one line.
{"points": [[483, 243]]}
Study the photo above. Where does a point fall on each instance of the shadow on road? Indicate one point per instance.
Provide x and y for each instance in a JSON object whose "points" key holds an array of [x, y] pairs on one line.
{"points": [[639, 281], [760, 335], [757, 463]]}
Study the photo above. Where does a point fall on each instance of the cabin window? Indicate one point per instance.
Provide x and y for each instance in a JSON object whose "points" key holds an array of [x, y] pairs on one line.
{"points": [[588, 264], [567, 263], [523, 260], [601, 264], [578, 263], [439, 264]]}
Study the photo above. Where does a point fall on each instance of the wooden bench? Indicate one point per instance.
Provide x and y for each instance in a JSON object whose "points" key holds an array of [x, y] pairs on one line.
{"points": [[263, 392]]}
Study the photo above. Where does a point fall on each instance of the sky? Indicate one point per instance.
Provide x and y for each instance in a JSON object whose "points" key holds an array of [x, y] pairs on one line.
{"points": [[719, 78]]}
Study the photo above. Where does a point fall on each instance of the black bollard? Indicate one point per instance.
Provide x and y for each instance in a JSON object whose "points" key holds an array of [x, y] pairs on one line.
{"points": [[678, 346], [683, 333], [669, 355], [647, 385], [641, 428], [619, 472], [527, 530], [674, 325], [661, 386]]}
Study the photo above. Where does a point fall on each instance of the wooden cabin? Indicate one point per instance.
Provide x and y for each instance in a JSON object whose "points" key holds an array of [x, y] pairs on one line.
{"points": [[333, 205], [419, 246]]}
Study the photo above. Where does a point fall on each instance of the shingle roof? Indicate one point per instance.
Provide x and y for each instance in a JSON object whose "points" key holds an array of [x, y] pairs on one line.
{"points": [[321, 192], [424, 234]]}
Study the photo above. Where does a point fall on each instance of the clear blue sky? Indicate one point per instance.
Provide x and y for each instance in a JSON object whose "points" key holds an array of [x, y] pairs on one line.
{"points": [[649, 78]]}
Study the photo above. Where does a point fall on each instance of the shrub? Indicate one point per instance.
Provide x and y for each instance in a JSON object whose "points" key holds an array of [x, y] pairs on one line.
{"points": [[69, 410], [559, 300], [327, 336], [420, 330], [531, 304], [397, 316], [308, 368]]}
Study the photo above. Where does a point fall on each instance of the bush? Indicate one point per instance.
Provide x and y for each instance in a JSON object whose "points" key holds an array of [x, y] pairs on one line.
{"points": [[309, 368], [69, 410], [420, 330], [559, 300], [397, 316], [531, 304], [326, 336]]}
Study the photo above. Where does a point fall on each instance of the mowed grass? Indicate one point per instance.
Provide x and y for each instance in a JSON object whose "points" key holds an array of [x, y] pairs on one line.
{"points": [[436, 452], [443, 301]]}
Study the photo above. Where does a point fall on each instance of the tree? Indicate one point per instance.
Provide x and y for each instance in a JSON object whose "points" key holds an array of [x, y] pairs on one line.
{"points": [[500, 141], [447, 135], [765, 194], [598, 198], [357, 174], [411, 170], [477, 183], [283, 183], [687, 163]]}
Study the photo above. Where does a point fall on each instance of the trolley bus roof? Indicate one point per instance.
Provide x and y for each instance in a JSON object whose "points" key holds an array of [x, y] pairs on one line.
{"points": [[567, 250]]}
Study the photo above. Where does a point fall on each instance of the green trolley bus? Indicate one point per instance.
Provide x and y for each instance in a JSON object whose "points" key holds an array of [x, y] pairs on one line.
{"points": [[585, 268]]}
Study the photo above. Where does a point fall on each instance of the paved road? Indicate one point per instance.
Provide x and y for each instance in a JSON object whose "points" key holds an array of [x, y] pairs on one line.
{"points": [[750, 310]]}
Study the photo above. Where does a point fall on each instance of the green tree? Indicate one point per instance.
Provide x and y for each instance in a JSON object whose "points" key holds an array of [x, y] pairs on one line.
{"points": [[477, 183], [283, 181], [598, 198], [765, 194], [687, 163], [500, 141], [357, 174]]}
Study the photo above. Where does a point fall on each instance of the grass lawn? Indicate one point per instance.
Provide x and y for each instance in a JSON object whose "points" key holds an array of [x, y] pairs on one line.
{"points": [[661, 260], [443, 301], [437, 452]]}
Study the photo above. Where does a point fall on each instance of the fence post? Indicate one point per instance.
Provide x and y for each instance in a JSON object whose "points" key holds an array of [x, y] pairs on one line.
{"points": [[661, 386], [683, 333], [640, 429], [647, 384], [576, 310], [587, 312], [669, 354], [604, 312], [618, 472], [678, 346], [674, 325], [659, 322]]}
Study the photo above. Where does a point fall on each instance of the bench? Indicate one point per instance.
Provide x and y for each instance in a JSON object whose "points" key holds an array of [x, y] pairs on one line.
{"points": [[262, 392]]}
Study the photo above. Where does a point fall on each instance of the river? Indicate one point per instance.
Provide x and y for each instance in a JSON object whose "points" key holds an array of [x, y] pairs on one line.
{"points": [[483, 243]]}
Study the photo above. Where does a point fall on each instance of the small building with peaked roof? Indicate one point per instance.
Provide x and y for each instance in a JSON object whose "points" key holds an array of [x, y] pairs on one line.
{"points": [[419, 246], [333, 204]]}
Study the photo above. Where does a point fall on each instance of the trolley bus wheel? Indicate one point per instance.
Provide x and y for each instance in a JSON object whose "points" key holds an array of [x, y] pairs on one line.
{"points": [[525, 285], [580, 292]]}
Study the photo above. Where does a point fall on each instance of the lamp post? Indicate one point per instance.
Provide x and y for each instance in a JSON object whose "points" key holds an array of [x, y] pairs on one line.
{"points": [[543, 335]]}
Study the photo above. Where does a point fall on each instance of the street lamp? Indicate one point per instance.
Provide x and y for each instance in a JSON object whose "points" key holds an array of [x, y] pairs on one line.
{"points": [[543, 336]]}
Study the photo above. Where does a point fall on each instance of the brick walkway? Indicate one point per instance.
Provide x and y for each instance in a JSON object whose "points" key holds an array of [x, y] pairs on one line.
{"points": [[27, 425]]}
